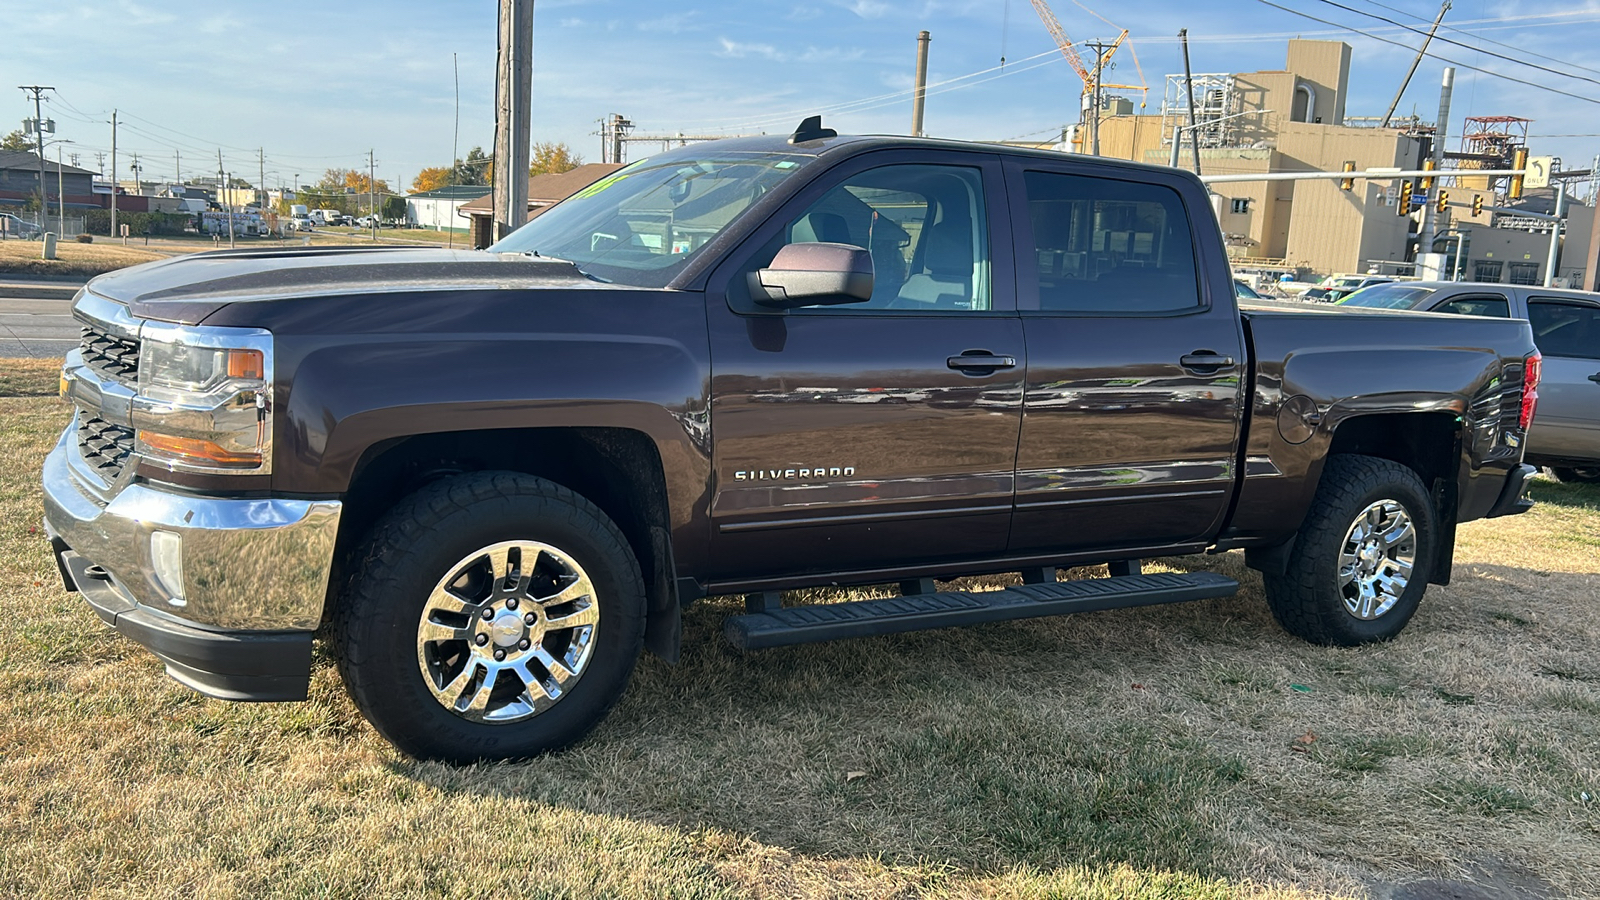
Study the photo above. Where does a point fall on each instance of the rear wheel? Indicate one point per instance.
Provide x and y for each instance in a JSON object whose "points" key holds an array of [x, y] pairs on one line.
{"points": [[492, 616], [1361, 559], [1578, 474]]}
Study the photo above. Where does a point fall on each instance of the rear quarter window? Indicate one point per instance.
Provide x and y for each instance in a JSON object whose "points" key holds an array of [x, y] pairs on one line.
{"points": [[1565, 329]]}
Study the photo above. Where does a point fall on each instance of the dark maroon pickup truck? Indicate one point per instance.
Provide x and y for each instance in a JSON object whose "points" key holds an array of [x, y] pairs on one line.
{"points": [[490, 479]]}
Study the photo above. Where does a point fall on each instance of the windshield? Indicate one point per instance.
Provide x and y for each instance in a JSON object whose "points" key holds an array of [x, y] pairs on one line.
{"points": [[639, 225], [1387, 296]]}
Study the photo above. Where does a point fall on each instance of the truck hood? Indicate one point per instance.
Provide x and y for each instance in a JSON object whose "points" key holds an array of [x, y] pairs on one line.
{"points": [[187, 289]]}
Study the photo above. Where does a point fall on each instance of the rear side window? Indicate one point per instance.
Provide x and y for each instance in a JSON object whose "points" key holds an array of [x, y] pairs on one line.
{"points": [[1569, 330], [1105, 246], [1492, 307]]}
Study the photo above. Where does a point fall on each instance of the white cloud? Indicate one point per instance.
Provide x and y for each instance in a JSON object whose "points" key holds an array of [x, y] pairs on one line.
{"points": [[740, 50]]}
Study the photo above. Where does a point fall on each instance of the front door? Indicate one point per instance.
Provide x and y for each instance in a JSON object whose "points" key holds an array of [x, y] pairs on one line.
{"points": [[1136, 358], [854, 436]]}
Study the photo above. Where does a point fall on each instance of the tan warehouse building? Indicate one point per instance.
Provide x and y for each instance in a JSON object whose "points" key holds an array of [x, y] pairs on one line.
{"points": [[1293, 120]]}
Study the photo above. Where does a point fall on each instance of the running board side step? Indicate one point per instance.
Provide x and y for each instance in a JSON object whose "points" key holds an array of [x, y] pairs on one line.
{"points": [[945, 609]]}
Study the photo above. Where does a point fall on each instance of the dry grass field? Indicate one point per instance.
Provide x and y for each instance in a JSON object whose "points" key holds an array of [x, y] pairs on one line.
{"points": [[1192, 751], [72, 258]]}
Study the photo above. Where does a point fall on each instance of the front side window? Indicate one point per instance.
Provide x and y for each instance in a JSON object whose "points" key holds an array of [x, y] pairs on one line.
{"points": [[641, 224], [925, 226], [1570, 330], [1107, 246]]}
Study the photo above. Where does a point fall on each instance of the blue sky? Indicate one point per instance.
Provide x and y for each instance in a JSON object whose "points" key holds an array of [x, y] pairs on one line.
{"points": [[317, 84]]}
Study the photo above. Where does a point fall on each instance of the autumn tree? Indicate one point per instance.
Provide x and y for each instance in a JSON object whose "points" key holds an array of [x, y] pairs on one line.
{"points": [[16, 140], [432, 178], [553, 158]]}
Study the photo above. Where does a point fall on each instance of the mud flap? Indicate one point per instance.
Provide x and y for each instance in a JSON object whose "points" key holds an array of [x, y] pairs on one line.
{"points": [[663, 629]]}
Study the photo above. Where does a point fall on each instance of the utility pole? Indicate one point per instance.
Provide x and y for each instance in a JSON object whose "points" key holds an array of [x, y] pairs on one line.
{"points": [[261, 179], [1430, 220], [513, 102], [61, 195], [177, 167], [372, 195], [114, 185], [222, 195], [1188, 83], [38, 130], [1389, 114], [1099, 48], [1555, 234], [921, 95]]}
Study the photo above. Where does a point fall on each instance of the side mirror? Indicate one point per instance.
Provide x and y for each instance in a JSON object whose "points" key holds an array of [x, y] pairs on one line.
{"points": [[812, 274]]}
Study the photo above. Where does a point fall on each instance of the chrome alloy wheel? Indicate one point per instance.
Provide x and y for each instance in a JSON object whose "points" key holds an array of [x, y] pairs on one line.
{"points": [[1376, 559], [507, 632]]}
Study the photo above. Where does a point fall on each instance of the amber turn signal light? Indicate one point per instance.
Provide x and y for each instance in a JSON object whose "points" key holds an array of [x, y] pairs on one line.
{"points": [[245, 364], [198, 450]]}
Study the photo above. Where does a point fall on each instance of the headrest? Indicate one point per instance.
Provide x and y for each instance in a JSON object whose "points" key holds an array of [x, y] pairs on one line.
{"points": [[949, 250]]}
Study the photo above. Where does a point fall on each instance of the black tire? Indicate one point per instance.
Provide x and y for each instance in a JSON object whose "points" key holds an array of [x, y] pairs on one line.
{"points": [[1308, 600], [1577, 474], [414, 546]]}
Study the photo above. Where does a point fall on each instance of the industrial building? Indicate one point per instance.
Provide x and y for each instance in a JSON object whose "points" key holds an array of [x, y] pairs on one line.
{"points": [[1294, 120]]}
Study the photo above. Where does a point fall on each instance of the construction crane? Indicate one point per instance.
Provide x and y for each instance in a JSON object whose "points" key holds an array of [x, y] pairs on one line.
{"points": [[1091, 77]]}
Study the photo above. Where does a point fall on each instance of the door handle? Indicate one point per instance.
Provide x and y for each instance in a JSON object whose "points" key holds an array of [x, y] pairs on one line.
{"points": [[981, 359], [1205, 361], [1595, 378]]}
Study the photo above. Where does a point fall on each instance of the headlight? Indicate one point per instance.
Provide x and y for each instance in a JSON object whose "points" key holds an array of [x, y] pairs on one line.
{"points": [[205, 398]]}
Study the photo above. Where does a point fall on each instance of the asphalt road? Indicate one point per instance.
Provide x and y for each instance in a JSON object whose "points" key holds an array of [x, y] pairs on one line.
{"points": [[36, 318]]}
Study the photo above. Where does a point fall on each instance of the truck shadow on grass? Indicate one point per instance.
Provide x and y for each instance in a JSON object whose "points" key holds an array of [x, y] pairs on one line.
{"points": [[1152, 738]]}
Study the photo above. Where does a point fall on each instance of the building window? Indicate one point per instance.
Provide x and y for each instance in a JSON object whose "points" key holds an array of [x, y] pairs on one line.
{"points": [[1241, 206], [1524, 273], [1486, 270]]}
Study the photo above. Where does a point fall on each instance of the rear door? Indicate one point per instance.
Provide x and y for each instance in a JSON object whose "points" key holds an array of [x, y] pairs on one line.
{"points": [[1567, 333], [1136, 358], [853, 437]]}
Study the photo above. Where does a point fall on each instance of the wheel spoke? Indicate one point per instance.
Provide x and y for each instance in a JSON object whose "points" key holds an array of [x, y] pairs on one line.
{"points": [[587, 615], [1368, 598], [557, 668], [451, 693], [1401, 532], [534, 693], [579, 588], [445, 600], [480, 697], [430, 631]]}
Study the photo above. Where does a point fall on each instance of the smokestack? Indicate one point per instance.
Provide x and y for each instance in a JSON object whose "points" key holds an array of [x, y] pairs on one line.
{"points": [[922, 84]]}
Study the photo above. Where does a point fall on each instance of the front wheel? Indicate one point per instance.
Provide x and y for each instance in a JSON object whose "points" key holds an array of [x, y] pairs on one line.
{"points": [[491, 616], [1577, 474], [1361, 559]]}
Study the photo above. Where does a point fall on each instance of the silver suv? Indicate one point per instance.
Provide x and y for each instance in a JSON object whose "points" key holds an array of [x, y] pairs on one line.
{"points": [[1566, 327]]}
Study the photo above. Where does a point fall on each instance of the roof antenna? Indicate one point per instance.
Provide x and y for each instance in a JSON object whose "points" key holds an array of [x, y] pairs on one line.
{"points": [[811, 130]]}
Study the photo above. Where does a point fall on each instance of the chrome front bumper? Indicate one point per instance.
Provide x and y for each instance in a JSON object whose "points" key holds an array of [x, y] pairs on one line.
{"points": [[246, 564]]}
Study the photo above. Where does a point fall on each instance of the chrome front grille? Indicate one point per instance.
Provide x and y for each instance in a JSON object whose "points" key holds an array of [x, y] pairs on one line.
{"points": [[111, 356], [105, 447]]}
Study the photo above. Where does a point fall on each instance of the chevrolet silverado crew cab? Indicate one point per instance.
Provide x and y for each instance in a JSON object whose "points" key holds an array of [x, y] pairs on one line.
{"points": [[489, 480]]}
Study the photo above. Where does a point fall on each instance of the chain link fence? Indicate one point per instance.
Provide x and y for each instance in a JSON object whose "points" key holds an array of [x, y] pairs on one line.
{"points": [[28, 226]]}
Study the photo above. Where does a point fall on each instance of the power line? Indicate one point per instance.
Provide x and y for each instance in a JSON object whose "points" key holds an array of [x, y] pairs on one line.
{"points": [[1490, 72], [1443, 39], [1475, 36]]}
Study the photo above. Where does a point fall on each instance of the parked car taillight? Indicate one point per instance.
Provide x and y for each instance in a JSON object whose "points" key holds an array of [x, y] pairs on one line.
{"points": [[1530, 388]]}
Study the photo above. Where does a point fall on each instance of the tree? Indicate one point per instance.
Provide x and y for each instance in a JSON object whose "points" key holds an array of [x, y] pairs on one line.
{"points": [[477, 169], [432, 178], [551, 159], [237, 182], [16, 140]]}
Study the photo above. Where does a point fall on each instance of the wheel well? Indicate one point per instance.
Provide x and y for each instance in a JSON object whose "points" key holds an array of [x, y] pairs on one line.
{"points": [[616, 469], [1426, 443]]}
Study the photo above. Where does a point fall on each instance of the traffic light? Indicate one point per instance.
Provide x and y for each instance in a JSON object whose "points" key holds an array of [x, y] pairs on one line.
{"points": [[1477, 205], [1427, 180], [1444, 200], [1402, 204], [1348, 184], [1519, 161]]}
